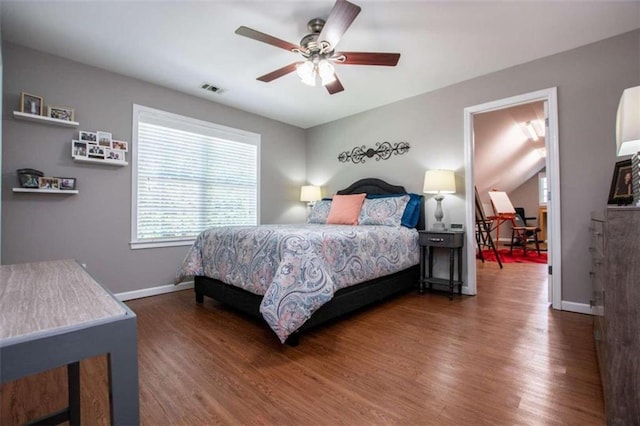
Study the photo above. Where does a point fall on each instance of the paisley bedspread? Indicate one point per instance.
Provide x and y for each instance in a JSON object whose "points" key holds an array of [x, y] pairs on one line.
{"points": [[298, 268]]}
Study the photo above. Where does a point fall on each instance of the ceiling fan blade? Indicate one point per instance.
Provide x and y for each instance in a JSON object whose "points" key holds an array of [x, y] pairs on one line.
{"points": [[368, 58], [266, 38], [340, 18], [335, 86], [279, 72]]}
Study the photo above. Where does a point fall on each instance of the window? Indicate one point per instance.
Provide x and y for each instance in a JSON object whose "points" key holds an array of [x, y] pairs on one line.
{"points": [[543, 191], [189, 175]]}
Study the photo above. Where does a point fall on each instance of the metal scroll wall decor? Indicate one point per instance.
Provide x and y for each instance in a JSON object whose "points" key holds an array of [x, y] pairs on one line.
{"points": [[382, 151]]}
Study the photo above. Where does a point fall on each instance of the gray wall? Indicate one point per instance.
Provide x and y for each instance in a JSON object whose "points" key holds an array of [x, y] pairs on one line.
{"points": [[94, 226], [590, 81]]}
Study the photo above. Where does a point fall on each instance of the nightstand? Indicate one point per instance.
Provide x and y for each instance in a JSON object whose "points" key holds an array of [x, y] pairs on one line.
{"points": [[429, 241]]}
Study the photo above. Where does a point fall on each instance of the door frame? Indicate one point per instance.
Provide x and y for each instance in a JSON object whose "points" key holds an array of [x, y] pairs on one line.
{"points": [[549, 95]]}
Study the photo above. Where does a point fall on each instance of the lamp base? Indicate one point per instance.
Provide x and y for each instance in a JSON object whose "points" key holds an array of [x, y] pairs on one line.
{"points": [[438, 226]]}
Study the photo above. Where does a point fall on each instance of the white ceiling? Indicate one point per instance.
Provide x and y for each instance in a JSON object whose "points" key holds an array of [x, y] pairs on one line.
{"points": [[180, 45]]}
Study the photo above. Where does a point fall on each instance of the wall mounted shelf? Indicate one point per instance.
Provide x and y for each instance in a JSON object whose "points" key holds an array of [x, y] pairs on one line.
{"points": [[44, 120], [46, 191], [98, 161]]}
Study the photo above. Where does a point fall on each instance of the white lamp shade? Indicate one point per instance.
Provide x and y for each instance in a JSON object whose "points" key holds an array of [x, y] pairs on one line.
{"points": [[628, 122], [439, 182], [310, 193]]}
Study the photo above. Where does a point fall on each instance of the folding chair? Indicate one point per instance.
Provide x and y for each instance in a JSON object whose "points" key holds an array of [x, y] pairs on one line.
{"points": [[505, 212], [522, 233]]}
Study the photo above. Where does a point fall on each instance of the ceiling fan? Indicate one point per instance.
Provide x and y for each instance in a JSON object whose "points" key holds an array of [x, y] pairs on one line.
{"points": [[317, 49]]}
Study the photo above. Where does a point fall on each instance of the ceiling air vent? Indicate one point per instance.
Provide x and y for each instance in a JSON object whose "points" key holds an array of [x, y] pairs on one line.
{"points": [[210, 88]]}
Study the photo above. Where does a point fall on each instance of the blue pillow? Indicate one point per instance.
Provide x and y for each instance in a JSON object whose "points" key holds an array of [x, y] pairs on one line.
{"points": [[411, 214]]}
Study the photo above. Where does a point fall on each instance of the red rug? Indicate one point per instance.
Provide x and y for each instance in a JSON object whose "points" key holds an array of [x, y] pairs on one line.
{"points": [[517, 257]]}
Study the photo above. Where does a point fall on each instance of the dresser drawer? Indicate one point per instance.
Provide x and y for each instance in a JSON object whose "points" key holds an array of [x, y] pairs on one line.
{"points": [[441, 239]]}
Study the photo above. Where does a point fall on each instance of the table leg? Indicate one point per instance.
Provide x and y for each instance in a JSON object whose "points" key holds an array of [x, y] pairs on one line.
{"points": [[460, 270], [451, 259], [73, 380], [430, 267], [421, 287], [123, 379]]}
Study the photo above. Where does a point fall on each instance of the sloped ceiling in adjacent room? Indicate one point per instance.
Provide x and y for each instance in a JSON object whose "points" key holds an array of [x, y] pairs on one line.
{"points": [[505, 155]]}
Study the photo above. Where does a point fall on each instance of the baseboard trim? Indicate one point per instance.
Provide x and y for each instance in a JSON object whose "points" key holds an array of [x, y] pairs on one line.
{"points": [[153, 291], [581, 308]]}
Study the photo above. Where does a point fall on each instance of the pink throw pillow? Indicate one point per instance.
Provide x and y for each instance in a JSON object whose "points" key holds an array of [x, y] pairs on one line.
{"points": [[345, 209]]}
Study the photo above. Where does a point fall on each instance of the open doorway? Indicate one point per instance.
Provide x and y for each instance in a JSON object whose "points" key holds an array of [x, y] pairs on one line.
{"points": [[517, 176], [510, 156]]}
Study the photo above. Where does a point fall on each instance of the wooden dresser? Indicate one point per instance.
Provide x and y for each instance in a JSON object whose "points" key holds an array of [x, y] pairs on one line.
{"points": [[615, 275]]}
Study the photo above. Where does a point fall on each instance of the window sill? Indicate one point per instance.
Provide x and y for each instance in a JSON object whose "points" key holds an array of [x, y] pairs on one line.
{"points": [[136, 245]]}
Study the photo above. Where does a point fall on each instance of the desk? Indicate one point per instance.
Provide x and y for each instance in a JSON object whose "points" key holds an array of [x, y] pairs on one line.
{"points": [[542, 222], [54, 314]]}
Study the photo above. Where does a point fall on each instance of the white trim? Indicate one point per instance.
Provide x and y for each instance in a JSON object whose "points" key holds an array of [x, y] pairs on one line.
{"points": [[581, 308], [135, 245], [153, 291], [553, 176]]}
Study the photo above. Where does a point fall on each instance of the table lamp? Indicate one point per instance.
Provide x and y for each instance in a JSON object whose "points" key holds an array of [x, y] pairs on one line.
{"points": [[439, 182], [310, 194], [628, 122]]}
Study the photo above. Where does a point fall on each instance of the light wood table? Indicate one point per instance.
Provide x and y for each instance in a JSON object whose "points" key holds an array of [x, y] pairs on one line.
{"points": [[54, 314], [542, 222]]}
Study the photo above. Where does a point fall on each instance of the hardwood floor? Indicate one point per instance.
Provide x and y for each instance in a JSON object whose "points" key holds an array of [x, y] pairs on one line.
{"points": [[500, 358]]}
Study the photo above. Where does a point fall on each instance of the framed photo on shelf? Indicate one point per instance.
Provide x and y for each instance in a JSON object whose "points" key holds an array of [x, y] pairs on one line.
{"points": [[67, 183], [48, 183], [79, 149], [104, 139], [621, 192], [61, 113], [88, 136], [95, 151], [114, 154], [31, 104], [121, 145]]}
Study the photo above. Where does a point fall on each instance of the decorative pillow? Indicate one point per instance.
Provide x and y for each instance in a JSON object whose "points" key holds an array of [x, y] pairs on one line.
{"points": [[319, 212], [411, 215], [345, 209], [383, 211]]}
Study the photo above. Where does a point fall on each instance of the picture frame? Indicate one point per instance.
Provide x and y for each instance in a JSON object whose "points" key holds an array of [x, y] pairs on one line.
{"points": [[621, 192], [60, 113], [104, 139], [88, 136], [48, 183], [114, 154], [120, 145], [31, 104], [79, 149], [95, 151], [67, 183]]}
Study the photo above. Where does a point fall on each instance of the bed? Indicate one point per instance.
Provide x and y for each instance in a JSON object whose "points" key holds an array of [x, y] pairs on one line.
{"points": [[290, 280]]}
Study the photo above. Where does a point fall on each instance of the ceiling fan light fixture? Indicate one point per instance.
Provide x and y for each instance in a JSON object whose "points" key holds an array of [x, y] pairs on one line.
{"points": [[326, 71], [306, 72]]}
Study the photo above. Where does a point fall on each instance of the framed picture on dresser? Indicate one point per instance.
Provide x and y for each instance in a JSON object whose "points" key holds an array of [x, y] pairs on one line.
{"points": [[621, 192]]}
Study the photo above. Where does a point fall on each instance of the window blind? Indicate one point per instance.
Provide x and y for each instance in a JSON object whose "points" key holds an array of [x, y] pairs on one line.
{"points": [[190, 179]]}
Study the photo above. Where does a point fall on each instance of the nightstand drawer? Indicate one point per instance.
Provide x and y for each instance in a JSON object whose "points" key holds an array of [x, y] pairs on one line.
{"points": [[441, 239]]}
